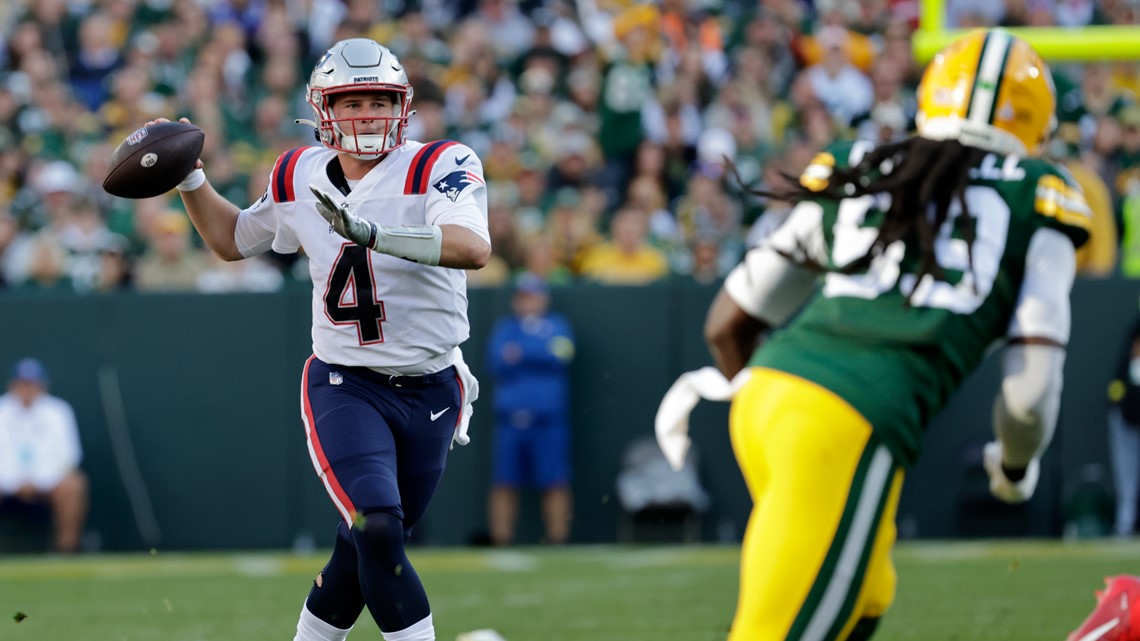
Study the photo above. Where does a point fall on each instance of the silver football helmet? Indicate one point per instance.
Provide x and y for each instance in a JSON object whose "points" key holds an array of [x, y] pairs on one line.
{"points": [[352, 66]]}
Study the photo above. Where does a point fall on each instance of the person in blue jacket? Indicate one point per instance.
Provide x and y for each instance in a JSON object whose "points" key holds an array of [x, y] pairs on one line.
{"points": [[529, 358]]}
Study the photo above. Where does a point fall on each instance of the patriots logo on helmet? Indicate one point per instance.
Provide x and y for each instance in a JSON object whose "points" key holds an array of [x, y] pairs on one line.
{"points": [[454, 183]]}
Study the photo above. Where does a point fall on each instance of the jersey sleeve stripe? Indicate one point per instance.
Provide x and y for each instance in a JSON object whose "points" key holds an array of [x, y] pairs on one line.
{"points": [[282, 179], [290, 169], [273, 177], [420, 170], [1055, 199]]}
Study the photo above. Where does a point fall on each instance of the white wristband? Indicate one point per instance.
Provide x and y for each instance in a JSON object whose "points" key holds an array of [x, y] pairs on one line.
{"points": [[194, 180]]}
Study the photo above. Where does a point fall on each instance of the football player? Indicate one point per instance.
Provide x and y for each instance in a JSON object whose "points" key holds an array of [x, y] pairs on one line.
{"points": [[388, 225], [905, 263]]}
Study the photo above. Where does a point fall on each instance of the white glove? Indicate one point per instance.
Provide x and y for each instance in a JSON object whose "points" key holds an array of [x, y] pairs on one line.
{"points": [[345, 223], [470, 395], [1000, 486], [672, 421]]}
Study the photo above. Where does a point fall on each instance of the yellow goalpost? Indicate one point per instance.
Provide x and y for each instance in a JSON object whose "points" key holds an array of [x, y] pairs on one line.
{"points": [[1084, 44]]}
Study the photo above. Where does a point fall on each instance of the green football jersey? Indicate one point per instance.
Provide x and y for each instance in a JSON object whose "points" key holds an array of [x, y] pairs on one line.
{"points": [[895, 362]]}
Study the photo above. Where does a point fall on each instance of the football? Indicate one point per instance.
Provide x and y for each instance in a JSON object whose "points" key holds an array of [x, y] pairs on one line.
{"points": [[152, 160]]}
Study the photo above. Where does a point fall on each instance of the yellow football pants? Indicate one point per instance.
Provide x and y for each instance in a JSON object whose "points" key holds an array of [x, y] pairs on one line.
{"points": [[816, 554]]}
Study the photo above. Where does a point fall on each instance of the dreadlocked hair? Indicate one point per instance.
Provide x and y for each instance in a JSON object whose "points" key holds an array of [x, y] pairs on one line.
{"points": [[918, 174]]}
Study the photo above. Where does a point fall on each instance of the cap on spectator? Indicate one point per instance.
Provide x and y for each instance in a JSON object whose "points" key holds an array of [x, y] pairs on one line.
{"points": [[636, 16], [531, 283], [57, 176], [29, 370]]}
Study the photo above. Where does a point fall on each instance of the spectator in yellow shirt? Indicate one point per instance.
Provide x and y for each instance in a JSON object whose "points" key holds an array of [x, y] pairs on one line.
{"points": [[628, 258]]}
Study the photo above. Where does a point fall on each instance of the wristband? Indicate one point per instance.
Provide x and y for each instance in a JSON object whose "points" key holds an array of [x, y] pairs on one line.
{"points": [[192, 181]]}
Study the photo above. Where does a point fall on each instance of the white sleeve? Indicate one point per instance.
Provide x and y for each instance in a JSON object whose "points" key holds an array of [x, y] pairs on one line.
{"points": [[1025, 411], [257, 227], [769, 286], [1026, 408], [1043, 304], [458, 192]]}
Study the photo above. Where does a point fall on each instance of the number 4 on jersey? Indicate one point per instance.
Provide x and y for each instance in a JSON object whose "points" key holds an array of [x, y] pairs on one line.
{"points": [[350, 297]]}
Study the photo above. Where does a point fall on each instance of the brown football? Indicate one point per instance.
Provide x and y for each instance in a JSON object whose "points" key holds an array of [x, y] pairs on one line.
{"points": [[152, 160]]}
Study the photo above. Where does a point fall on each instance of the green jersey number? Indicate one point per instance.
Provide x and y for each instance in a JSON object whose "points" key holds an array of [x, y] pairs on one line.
{"points": [[852, 240]]}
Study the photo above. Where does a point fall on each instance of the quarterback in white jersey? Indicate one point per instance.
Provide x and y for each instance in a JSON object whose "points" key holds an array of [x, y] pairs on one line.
{"points": [[388, 225], [382, 312]]}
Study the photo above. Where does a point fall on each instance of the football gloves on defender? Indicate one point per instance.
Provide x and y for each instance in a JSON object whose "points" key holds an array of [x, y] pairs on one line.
{"points": [[1000, 485]]}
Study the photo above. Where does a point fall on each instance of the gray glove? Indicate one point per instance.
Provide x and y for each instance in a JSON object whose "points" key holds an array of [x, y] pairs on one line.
{"points": [[344, 222], [422, 244]]}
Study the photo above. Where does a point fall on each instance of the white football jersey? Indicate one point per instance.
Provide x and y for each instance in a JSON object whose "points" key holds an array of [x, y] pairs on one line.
{"points": [[371, 309]]}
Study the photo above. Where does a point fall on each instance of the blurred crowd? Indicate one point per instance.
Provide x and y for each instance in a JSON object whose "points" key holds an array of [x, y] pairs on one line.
{"points": [[603, 125]]}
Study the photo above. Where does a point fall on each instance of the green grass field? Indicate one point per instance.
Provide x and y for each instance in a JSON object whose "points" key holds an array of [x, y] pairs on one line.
{"points": [[1026, 591]]}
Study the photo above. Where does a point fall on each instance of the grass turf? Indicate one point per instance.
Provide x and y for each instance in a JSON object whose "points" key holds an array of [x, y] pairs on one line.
{"points": [[1027, 591]]}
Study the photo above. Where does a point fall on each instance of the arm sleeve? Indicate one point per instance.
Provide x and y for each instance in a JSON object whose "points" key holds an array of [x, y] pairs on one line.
{"points": [[1025, 411], [1043, 304], [256, 231], [768, 285], [458, 193]]}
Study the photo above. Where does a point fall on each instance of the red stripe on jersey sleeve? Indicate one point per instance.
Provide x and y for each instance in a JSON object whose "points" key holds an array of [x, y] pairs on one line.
{"points": [[290, 168], [419, 172], [425, 175]]}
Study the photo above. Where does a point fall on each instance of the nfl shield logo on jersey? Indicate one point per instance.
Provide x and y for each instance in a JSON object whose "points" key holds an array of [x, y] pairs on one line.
{"points": [[335, 378]]}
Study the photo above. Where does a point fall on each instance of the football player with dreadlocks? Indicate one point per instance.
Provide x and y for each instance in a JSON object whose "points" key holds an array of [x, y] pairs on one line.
{"points": [[905, 263], [386, 391]]}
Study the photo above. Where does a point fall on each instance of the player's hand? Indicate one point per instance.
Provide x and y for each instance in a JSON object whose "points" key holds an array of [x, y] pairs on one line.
{"points": [[344, 222], [197, 163], [1000, 486]]}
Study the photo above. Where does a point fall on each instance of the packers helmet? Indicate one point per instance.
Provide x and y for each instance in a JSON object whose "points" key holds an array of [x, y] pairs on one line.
{"points": [[988, 89]]}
